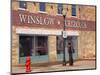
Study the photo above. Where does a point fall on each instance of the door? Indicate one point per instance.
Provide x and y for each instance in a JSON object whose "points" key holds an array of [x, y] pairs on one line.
{"points": [[34, 46]]}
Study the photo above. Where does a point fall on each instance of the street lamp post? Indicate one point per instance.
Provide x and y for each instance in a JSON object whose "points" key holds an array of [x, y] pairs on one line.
{"points": [[64, 36]]}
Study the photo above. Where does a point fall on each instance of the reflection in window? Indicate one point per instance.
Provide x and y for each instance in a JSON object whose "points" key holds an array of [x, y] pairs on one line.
{"points": [[25, 45], [73, 10], [42, 6], [33, 46], [41, 45], [23, 4], [59, 45], [60, 8]]}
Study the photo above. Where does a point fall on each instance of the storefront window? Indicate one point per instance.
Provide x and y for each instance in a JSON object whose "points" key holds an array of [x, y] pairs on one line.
{"points": [[33, 46], [25, 45], [59, 45], [41, 45]]}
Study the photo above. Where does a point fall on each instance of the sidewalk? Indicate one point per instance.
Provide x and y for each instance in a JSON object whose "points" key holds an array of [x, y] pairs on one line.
{"points": [[82, 64]]}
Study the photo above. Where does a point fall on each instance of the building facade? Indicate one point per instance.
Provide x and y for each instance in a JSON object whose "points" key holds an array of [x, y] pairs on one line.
{"points": [[37, 31]]}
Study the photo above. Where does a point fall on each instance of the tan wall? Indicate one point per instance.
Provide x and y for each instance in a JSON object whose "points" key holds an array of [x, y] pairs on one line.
{"points": [[52, 48], [51, 9], [86, 44], [86, 39], [69, 11], [87, 13], [15, 46], [15, 5], [32, 7]]}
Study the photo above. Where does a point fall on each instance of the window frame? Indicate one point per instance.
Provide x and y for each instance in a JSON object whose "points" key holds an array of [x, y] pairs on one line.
{"points": [[42, 7], [22, 7], [73, 12], [59, 12]]}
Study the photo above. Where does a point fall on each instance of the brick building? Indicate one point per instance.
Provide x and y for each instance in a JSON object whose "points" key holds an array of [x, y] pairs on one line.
{"points": [[37, 30]]}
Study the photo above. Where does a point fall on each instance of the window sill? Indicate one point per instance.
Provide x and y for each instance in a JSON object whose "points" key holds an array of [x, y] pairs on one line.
{"points": [[42, 12], [74, 16], [22, 9], [59, 14]]}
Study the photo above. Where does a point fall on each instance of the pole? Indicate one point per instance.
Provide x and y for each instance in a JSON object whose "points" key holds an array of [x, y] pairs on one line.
{"points": [[64, 59]]}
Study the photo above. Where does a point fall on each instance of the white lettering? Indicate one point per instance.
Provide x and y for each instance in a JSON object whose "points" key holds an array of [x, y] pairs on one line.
{"points": [[35, 19], [32, 19], [22, 18], [75, 24]]}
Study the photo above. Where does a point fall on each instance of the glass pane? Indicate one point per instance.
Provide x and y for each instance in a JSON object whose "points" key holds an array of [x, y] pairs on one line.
{"points": [[42, 6], [33, 46], [60, 8], [73, 10], [23, 4], [41, 45], [59, 45], [25, 46]]}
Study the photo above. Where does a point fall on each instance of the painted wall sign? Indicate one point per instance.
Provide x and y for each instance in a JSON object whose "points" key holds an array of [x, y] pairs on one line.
{"points": [[23, 18], [76, 24], [35, 19]]}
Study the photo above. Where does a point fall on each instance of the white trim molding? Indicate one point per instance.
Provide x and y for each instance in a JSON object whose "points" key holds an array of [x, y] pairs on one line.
{"points": [[45, 32], [72, 33]]}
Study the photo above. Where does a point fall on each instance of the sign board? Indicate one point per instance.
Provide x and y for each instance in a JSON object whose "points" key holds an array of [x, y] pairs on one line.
{"points": [[64, 33]]}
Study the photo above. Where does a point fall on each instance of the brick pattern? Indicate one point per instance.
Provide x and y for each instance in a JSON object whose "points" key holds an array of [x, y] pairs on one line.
{"points": [[83, 12], [87, 13], [14, 47], [52, 48], [32, 7], [53, 22], [86, 44], [15, 5], [86, 39], [69, 11], [51, 9]]}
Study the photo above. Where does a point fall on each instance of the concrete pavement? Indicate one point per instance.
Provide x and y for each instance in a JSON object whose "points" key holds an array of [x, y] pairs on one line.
{"points": [[81, 64]]}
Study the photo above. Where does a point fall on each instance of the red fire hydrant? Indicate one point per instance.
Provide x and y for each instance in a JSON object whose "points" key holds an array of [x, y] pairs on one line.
{"points": [[28, 64]]}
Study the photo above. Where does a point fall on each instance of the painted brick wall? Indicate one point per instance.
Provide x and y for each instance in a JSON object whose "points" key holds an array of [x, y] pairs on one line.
{"points": [[86, 44], [51, 9], [32, 7], [15, 46], [15, 5], [87, 13], [52, 48], [86, 39], [82, 12]]}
